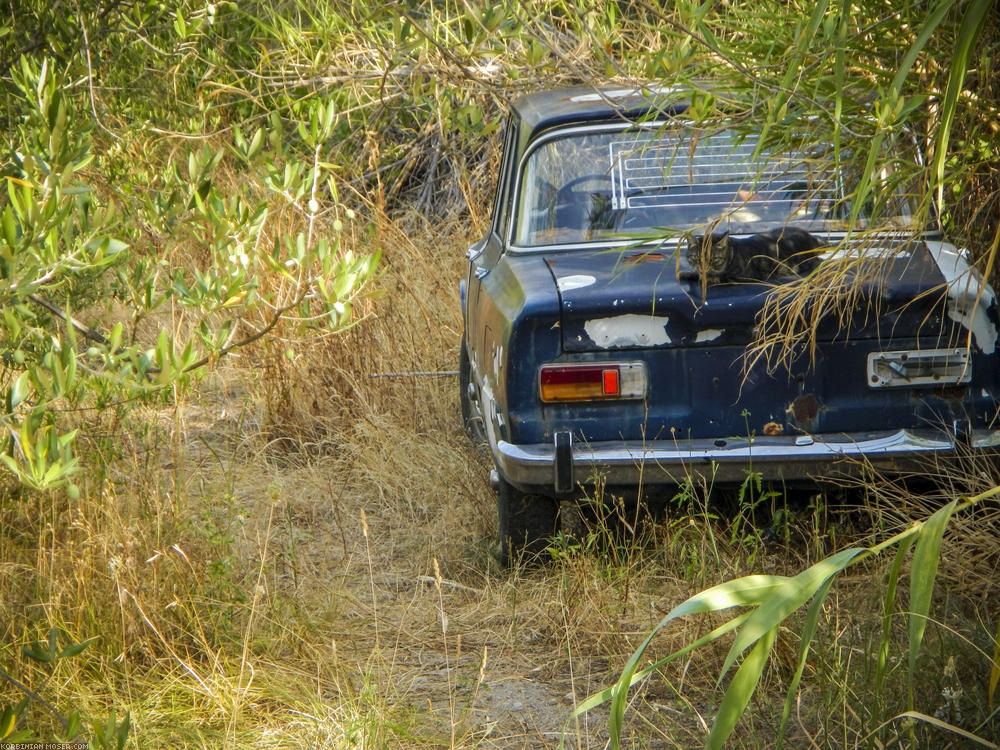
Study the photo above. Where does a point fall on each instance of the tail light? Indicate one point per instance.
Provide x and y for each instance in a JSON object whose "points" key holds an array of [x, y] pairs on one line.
{"points": [[592, 381]]}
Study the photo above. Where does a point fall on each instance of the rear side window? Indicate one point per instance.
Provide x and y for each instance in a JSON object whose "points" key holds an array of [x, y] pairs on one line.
{"points": [[502, 203]]}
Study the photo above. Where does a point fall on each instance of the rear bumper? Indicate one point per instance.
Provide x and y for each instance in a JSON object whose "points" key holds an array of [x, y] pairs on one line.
{"points": [[534, 467]]}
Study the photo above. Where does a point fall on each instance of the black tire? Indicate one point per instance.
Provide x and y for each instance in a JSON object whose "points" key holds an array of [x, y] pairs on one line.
{"points": [[526, 523], [471, 420]]}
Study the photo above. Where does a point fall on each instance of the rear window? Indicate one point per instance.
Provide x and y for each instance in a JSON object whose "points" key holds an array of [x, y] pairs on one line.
{"points": [[591, 186]]}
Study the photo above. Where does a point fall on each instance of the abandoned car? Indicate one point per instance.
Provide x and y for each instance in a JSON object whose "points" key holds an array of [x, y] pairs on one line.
{"points": [[623, 315]]}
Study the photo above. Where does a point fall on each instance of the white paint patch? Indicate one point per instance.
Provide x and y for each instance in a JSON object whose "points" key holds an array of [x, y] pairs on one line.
{"points": [[567, 283], [968, 296], [628, 330], [709, 334]]}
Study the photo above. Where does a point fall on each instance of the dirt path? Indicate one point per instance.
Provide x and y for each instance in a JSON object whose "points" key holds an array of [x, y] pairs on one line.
{"points": [[390, 564], [376, 534]]}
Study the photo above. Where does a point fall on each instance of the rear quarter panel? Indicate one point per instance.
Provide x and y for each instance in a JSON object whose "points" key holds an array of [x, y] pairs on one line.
{"points": [[517, 317]]}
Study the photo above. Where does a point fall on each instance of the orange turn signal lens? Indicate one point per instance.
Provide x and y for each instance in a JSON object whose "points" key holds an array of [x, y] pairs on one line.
{"points": [[610, 382], [592, 382]]}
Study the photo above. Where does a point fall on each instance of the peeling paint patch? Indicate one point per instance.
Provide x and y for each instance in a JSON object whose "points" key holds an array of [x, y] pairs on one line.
{"points": [[568, 283], [628, 330], [968, 297], [497, 363], [709, 334]]}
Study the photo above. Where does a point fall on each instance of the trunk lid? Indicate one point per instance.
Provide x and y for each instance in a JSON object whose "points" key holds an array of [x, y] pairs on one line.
{"points": [[631, 299]]}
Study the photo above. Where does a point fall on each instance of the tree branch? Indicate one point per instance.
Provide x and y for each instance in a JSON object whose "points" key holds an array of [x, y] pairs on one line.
{"points": [[88, 333], [35, 697]]}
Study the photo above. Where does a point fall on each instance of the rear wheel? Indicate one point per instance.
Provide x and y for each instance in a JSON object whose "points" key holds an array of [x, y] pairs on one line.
{"points": [[526, 522]]}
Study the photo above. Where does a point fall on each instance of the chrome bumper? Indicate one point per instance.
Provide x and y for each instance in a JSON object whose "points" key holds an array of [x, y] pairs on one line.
{"points": [[731, 460]]}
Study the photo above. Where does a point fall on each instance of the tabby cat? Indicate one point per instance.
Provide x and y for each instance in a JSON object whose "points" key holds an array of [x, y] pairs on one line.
{"points": [[778, 252]]}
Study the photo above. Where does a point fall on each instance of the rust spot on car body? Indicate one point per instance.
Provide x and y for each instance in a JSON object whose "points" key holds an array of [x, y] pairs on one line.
{"points": [[805, 408], [643, 257], [803, 412], [773, 428]]}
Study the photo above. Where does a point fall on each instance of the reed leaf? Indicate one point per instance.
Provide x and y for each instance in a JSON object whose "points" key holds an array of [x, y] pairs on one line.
{"points": [[923, 572], [808, 632], [891, 103], [742, 592], [786, 597], [740, 690], [607, 694], [972, 28], [888, 606]]}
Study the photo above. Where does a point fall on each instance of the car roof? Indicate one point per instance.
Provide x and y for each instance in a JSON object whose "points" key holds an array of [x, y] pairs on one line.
{"points": [[542, 110]]}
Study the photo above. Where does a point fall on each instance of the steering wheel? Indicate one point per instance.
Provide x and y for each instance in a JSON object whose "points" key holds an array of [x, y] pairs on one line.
{"points": [[568, 191]]}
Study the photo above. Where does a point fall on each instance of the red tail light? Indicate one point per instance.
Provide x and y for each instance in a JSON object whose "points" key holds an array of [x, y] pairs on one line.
{"points": [[592, 382]]}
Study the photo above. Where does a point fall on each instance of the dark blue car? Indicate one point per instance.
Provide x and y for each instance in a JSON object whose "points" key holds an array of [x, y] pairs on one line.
{"points": [[602, 343]]}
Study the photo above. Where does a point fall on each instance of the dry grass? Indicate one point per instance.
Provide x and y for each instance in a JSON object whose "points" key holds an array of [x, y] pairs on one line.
{"points": [[298, 554]]}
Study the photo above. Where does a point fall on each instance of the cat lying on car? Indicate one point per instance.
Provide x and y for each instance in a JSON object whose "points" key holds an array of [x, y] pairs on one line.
{"points": [[723, 258]]}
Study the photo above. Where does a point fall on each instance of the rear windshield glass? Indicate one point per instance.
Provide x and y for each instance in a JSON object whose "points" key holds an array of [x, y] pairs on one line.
{"points": [[645, 182]]}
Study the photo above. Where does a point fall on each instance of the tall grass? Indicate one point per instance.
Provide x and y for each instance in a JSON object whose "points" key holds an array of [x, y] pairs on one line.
{"points": [[295, 552]]}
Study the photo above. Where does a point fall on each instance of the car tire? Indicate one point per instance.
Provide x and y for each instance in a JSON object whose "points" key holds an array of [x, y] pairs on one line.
{"points": [[471, 420], [526, 523]]}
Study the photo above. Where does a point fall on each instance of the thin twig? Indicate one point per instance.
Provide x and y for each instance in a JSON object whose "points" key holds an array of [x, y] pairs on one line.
{"points": [[413, 374], [35, 697]]}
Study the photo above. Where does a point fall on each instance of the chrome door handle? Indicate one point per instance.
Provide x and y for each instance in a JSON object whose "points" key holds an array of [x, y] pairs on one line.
{"points": [[480, 272]]}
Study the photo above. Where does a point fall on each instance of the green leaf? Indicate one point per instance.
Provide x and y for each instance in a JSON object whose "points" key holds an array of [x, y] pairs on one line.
{"points": [[746, 591], [738, 694], [20, 390], [923, 572], [7, 721], [605, 695], [973, 22], [787, 597], [123, 729], [995, 667], [75, 648], [37, 653], [255, 143], [9, 224], [806, 637], [891, 97], [888, 608], [73, 725]]}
